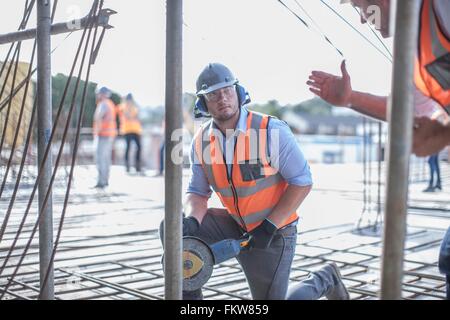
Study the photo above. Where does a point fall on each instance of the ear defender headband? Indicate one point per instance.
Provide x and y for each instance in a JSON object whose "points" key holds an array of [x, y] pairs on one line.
{"points": [[201, 110]]}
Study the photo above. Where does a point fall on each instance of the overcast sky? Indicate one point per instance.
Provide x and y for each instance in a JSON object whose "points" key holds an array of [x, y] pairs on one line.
{"points": [[267, 48]]}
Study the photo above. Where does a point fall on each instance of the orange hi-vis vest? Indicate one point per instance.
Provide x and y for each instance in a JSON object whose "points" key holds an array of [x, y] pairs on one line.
{"points": [[107, 126], [129, 120], [432, 65], [253, 188]]}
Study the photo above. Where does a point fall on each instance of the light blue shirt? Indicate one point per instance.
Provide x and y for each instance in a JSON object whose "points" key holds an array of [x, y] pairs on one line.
{"points": [[290, 161]]}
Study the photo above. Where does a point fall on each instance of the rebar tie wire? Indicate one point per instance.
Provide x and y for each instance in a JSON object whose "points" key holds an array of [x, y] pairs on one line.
{"points": [[28, 139], [19, 122], [22, 25], [325, 37], [48, 147], [92, 56], [8, 111], [26, 81]]}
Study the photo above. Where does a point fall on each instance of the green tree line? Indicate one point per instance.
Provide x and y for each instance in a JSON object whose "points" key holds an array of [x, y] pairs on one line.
{"points": [[59, 82], [315, 106]]}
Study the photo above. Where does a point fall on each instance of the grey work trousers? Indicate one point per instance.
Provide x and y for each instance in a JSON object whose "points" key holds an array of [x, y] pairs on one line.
{"points": [[103, 158]]}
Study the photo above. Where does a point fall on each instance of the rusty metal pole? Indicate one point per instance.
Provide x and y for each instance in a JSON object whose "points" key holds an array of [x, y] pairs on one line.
{"points": [[44, 120], [173, 163], [400, 117]]}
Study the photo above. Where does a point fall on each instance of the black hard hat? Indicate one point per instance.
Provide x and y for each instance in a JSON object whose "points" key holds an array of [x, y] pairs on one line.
{"points": [[214, 76]]}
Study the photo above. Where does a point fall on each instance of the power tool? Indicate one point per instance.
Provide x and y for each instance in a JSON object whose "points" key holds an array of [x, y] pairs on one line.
{"points": [[199, 258]]}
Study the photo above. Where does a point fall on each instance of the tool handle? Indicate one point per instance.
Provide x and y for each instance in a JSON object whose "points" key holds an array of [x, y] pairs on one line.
{"points": [[245, 240], [228, 249]]}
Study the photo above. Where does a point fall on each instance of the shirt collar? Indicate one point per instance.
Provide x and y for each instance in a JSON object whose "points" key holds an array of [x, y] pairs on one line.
{"points": [[241, 126]]}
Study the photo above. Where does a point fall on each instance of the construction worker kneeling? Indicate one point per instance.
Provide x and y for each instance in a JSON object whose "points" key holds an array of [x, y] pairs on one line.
{"points": [[253, 163]]}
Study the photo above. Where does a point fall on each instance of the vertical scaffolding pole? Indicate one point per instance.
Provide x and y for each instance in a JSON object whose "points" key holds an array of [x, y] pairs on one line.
{"points": [[44, 120], [401, 111], [173, 175]]}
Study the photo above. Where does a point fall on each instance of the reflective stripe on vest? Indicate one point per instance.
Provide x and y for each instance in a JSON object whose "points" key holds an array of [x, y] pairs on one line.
{"points": [[107, 126], [254, 187], [432, 71]]}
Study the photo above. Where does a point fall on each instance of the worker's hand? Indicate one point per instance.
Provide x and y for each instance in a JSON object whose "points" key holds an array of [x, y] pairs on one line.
{"points": [[430, 136], [190, 226], [262, 235], [333, 89]]}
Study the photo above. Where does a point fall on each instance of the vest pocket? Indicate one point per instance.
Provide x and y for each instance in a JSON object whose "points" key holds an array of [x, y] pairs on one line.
{"points": [[440, 70], [251, 170]]}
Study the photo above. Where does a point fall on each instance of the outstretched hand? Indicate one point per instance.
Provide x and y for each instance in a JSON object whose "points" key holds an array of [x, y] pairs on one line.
{"points": [[333, 89]]}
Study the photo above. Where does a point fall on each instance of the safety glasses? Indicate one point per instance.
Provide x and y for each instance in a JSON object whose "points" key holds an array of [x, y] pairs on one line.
{"points": [[216, 95]]}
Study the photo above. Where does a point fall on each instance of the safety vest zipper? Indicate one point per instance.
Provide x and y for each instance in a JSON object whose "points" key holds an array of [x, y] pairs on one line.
{"points": [[233, 189], [235, 197]]}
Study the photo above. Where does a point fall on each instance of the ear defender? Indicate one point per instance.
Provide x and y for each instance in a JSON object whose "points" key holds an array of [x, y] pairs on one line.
{"points": [[243, 95], [200, 109]]}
